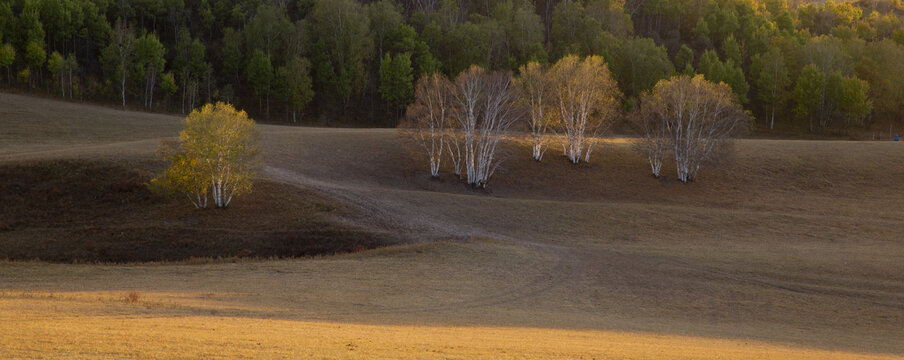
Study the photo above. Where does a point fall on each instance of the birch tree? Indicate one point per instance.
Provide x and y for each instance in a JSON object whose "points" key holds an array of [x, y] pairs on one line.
{"points": [[149, 53], [651, 119], [71, 67], [772, 80], [534, 86], [7, 56], [385, 16], [119, 55], [298, 91], [428, 118], [808, 93], [189, 64], [225, 140], [853, 101], [217, 156], [260, 74], [55, 64], [184, 176], [35, 56], [696, 115], [586, 99], [487, 108], [341, 49]]}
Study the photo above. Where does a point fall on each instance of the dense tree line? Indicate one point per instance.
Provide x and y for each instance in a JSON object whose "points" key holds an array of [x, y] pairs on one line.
{"points": [[794, 64]]}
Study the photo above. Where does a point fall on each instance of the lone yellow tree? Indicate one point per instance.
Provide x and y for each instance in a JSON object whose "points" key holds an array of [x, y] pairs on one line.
{"points": [[216, 158]]}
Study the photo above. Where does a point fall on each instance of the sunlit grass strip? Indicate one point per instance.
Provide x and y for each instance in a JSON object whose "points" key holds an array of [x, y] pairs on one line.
{"points": [[51, 327]]}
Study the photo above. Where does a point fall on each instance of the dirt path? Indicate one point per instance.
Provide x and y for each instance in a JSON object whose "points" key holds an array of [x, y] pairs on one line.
{"points": [[382, 212]]}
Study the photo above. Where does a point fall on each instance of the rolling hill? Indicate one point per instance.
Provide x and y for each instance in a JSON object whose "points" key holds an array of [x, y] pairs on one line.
{"points": [[786, 249]]}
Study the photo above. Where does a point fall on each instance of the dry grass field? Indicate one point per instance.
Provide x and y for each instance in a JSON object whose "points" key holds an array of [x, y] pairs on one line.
{"points": [[786, 250]]}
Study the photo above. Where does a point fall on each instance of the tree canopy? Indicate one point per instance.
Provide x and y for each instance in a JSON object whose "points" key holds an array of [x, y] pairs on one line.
{"points": [[216, 156], [217, 50]]}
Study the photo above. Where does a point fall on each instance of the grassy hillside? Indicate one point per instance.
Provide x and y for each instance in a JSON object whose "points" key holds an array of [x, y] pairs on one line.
{"points": [[790, 249]]}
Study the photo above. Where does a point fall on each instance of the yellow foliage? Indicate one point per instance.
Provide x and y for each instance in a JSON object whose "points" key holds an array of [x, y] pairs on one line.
{"points": [[217, 156], [587, 100]]}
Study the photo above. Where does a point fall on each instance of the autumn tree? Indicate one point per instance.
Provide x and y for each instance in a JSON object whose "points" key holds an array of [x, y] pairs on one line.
{"points": [[695, 116], [586, 99], [216, 157], [650, 119], [486, 108], [183, 176], [429, 119], [536, 92]]}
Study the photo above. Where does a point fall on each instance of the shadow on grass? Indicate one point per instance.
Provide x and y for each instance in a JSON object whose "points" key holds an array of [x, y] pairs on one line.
{"points": [[89, 211]]}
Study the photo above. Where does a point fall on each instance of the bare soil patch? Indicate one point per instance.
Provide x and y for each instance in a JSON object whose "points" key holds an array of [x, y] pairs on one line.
{"points": [[90, 211]]}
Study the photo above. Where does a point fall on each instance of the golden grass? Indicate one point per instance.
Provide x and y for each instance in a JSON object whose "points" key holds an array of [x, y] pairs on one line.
{"points": [[55, 326]]}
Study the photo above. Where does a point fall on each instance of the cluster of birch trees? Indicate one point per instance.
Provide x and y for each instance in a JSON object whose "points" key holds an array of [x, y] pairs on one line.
{"points": [[463, 121], [577, 98], [689, 118], [572, 102]]}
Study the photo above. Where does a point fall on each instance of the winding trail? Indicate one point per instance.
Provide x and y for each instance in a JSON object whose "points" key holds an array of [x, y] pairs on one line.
{"points": [[382, 213]]}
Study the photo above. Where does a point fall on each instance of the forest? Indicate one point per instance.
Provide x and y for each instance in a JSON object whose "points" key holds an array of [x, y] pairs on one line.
{"points": [[796, 66]]}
